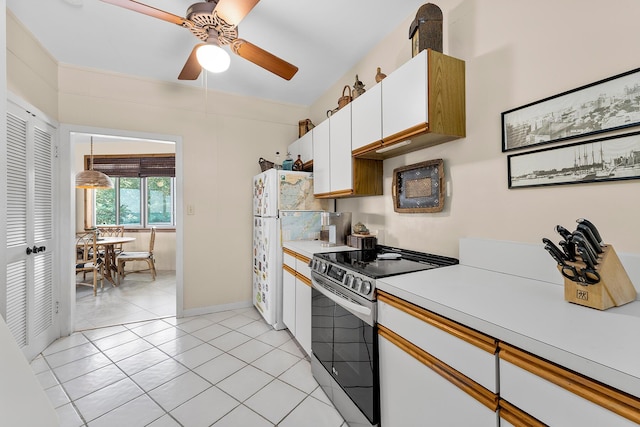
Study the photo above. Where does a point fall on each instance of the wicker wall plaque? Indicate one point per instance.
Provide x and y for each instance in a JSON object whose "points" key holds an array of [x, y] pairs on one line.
{"points": [[419, 188]]}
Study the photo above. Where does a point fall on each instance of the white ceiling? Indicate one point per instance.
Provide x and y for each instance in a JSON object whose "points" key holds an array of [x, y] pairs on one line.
{"points": [[324, 38]]}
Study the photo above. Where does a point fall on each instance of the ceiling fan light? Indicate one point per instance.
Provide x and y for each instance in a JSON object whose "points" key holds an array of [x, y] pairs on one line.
{"points": [[213, 58]]}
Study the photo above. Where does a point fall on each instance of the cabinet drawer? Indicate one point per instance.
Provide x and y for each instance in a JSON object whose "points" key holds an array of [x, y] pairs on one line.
{"points": [[414, 393], [559, 397], [302, 266], [465, 350], [288, 259]]}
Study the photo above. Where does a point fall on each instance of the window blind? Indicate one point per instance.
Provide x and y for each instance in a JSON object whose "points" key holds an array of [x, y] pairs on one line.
{"points": [[139, 166]]}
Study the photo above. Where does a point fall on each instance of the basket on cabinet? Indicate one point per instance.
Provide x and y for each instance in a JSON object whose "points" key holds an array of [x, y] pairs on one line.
{"points": [[265, 164]]}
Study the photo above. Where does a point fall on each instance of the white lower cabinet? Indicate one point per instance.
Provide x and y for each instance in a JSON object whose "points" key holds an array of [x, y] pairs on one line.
{"points": [[289, 298], [296, 297], [558, 397], [413, 394], [303, 314], [433, 371]]}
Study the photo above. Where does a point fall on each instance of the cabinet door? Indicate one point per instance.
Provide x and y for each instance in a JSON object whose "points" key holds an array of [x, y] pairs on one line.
{"points": [[31, 276], [559, 397], [302, 147], [412, 395], [321, 160], [289, 299], [305, 147], [294, 149], [366, 118], [303, 313], [467, 351], [404, 96], [340, 150]]}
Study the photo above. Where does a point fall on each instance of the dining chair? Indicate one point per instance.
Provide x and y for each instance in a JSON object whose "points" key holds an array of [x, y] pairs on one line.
{"points": [[125, 257], [112, 231], [88, 259]]}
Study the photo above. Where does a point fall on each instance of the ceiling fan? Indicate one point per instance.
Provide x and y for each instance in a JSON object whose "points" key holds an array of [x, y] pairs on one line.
{"points": [[215, 22]]}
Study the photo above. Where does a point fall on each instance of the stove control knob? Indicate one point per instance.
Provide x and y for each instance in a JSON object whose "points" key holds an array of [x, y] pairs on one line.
{"points": [[323, 267], [356, 284], [349, 280], [366, 287]]}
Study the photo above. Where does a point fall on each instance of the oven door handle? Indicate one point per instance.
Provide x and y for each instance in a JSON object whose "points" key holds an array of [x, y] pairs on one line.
{"points": [[348, 305]]}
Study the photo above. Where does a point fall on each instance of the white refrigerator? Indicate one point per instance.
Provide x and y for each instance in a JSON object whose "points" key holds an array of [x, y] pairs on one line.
{"points": [[283, 208]]}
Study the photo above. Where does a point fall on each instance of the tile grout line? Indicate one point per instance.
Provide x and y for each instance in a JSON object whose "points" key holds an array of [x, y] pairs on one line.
{"points": [[301, 356]]}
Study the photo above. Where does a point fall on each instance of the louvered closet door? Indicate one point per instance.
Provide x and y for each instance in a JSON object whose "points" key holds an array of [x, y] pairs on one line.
{"points": [[31, 291]]}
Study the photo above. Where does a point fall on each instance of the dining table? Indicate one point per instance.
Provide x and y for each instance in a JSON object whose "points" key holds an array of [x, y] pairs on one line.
{"points": [[109, 245]]}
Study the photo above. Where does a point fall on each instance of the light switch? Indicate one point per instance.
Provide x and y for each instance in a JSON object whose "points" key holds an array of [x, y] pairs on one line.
{"points": [[191, 210]]}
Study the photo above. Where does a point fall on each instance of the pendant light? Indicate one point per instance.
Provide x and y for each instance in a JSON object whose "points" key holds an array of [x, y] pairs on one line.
{"points": [[90, 179]]}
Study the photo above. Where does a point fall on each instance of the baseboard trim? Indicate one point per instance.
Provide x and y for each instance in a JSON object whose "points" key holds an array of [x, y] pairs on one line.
{"points": [[215, 308]]}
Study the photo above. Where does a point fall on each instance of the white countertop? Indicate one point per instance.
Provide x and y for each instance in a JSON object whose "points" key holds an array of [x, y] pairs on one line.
{"points": [[310, 247], [532, 315]]}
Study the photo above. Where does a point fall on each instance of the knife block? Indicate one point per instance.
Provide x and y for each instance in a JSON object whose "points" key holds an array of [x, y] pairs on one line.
{"points": [[614, 289]]}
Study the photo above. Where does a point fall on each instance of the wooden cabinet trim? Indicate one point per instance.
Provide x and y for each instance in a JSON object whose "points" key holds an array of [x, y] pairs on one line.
{"points": [[304, 279], [405, 134], [334, 194], [446, 89], [288, 269], [464, 383], [369, 147], [516, 416], [470, 336], [621, 403], [289, 252], [301, 258]]}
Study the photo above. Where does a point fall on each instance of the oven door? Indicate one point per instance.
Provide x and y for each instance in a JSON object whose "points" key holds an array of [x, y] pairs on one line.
{"points": [[344, 341]]}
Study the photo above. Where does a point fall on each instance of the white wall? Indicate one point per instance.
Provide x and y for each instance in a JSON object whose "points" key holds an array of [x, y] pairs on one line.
{"points": [[516, 53]]}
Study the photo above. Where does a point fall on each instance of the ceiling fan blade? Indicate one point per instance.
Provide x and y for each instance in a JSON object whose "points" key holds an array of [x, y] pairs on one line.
{"points": [[147, 10], [233, 11], [192, 67], [264, 59]]}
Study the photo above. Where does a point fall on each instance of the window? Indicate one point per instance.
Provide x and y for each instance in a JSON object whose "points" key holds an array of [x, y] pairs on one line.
{"points": [[143, 193]]}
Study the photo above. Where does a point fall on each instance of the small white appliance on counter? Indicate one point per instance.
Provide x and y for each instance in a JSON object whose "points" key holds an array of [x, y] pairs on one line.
{"points": [[284, 208]]}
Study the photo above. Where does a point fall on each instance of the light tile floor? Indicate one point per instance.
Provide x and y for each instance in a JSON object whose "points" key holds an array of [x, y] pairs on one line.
{"points": [[223, 369], [137, 298]]}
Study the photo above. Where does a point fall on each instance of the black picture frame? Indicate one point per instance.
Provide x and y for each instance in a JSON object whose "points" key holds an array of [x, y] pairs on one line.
{"points": [[612, 158], [603, 106]]}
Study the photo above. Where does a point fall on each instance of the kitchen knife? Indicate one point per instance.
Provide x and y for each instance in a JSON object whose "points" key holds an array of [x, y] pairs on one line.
{"points": [[554, 255], [569, 249], [583, 251], [568, 246], [595, 245], [585, 241], [566, 234], [556, 250], [583, 248], [593, 228]]}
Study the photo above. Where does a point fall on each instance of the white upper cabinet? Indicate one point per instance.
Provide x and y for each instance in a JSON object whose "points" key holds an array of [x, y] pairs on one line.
{"points": [[340, 150], [405, 97], [321, 160], [336, 172], [423, 104], [366, 120], [303, 147]]}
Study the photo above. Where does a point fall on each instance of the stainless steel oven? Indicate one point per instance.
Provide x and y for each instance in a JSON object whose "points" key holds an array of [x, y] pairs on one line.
{"points": [[344, 339]]}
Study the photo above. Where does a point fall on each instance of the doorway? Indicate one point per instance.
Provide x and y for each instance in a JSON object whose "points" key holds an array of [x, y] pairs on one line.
{"points": [[138, 297]]}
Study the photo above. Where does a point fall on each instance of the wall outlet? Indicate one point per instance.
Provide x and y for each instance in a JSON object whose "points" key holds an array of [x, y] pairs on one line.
{"points": [[191, 210]]}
